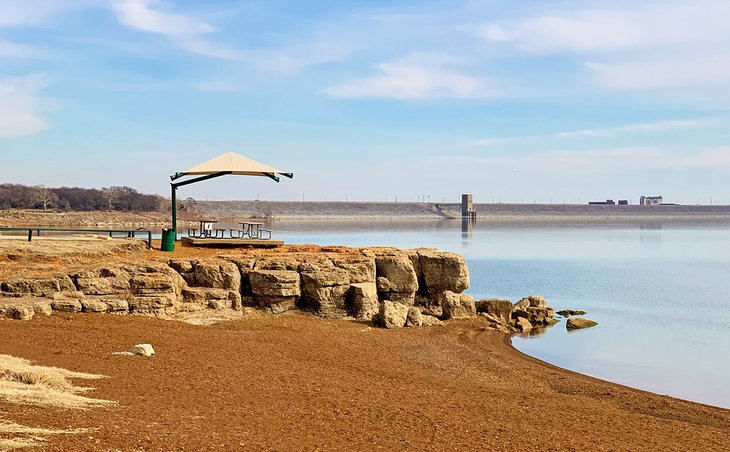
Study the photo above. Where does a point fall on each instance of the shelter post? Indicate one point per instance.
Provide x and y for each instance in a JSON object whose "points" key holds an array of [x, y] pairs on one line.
{"points": [[174, 209]]}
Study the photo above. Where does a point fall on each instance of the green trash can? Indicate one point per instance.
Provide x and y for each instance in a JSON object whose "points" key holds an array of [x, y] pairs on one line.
{"points": [[168, 240]]}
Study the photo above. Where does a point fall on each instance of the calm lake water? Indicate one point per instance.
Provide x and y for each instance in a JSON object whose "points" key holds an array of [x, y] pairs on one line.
{"points": [[660, 292]]}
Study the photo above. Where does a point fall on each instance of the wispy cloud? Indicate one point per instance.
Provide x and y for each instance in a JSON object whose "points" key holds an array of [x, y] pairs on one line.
{"points": [[9, 49], [184, 31], [630, 46], [14, 13], [20, 105], [138, 14], [415, 77], [664, 71], [640, 25], [618, 160], [604, 132]]}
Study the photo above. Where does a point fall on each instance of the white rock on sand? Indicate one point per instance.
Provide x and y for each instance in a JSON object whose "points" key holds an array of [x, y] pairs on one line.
{"points": [[142, 350]]}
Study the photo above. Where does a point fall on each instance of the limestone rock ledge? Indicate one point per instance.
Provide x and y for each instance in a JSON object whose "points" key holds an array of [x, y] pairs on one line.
{"points": [[388, 286]]}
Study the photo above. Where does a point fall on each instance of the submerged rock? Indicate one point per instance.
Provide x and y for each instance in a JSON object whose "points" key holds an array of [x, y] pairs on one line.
{"points": [[569, 312], [577, 323]]}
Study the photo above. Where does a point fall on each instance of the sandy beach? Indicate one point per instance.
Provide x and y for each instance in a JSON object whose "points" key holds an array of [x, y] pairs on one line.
{"points": [[296, 382]]}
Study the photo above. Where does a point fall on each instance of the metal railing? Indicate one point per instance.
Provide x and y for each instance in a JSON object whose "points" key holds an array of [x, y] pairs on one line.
{"points": [[130, 232]]}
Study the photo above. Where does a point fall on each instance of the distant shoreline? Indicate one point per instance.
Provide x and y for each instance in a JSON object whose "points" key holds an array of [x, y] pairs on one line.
{"points": [[504, 213], [294, 211]]}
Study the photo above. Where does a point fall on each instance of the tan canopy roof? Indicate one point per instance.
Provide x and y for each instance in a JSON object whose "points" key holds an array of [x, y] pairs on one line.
{"points": [[232, 163]]}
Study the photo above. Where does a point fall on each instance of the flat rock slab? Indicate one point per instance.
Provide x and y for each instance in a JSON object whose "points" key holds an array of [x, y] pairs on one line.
{"points": [[233, 243]]}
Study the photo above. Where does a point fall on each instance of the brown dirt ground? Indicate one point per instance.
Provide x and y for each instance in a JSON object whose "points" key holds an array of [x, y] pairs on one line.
{"points": [[296, 382]]}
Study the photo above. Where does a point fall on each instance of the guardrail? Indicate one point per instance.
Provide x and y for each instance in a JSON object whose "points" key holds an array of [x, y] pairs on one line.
{"points": [[130, 232]]}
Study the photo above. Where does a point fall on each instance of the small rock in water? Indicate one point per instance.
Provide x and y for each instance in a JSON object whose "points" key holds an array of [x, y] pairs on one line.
{"points": [[143, 350], [569, 312], [577, 323]]}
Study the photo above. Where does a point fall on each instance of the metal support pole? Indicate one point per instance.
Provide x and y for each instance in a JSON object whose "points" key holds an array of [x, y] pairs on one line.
{"points": [[174, 209]]}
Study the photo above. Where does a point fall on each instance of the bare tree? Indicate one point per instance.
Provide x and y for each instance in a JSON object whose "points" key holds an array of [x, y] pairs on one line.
{"points": [[46, 197], [110, 195]]}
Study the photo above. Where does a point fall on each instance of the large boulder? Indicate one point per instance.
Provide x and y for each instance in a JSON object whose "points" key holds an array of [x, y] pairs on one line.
{"points": [[66, 305], [94, 306], [279, 283], [25, 308], [521, 305], [443, 271], [364, 300], [522, 324], [197, 298], [275, 290], [577, 323], [155, 305], [392, 315], [117, 305], [185, 268], [325, 291], [398, 273], [501, 309], [359, 270], [156, 289], [457, 306], [103, 281], [217, 275], [38, 287], [245, 265], [536, 301]]}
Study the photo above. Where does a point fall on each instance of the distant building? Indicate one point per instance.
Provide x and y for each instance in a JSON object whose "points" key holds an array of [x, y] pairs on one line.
{"points": [[608, 202], [651, 201], [623, 202]]}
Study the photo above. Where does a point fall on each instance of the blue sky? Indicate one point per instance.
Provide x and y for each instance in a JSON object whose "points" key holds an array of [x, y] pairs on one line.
{"points": [[512, 101]]}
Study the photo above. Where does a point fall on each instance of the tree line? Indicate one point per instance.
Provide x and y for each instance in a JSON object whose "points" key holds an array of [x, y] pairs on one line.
{"points": [[126, 199]]}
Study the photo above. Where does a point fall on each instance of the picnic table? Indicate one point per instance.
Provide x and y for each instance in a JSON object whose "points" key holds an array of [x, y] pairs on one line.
{"points": [[251, 229], [207, 230]]}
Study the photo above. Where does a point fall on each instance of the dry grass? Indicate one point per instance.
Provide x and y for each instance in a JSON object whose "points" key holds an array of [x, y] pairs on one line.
{"points": [[23, 436], [22, 382]]}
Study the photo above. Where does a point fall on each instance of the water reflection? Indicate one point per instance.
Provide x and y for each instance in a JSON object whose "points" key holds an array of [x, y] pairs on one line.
{"points": [[467, 229]]}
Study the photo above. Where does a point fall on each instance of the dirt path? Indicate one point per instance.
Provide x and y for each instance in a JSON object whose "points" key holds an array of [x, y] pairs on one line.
{"points": [[296, 382]]}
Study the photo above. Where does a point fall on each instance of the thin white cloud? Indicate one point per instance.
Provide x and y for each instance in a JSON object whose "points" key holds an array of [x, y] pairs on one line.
{"points": [[664, 72], [418, 76], [20, 106], [631, 46], [605, 132], [613, 160], [9, 49], [294, 58], [637, 26], [184, 31], [140, 15], [17, 13]]}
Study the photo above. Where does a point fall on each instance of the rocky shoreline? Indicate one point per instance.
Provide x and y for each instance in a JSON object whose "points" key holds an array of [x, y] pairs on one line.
{"points": [[389, 287]]}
